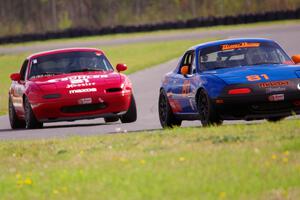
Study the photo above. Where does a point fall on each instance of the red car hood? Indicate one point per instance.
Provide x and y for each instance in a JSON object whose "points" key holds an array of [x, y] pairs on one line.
{"points": [[75, 83]]}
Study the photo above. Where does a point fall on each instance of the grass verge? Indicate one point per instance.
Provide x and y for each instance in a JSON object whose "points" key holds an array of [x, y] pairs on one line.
{"points": [[136, 56], [165, 32], [258, 161]]}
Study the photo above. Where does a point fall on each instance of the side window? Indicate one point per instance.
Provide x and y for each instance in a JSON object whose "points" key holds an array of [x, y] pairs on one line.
{"points": [[23, 70], [280, 56], [193, 68], [188, 60]]}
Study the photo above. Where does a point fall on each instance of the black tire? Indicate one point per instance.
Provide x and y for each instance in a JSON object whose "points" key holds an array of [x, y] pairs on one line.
{"points": [[275, 119], [166, 116], [131, 114], [207, 112], [15, 122], [111, 119], [30, 119]]}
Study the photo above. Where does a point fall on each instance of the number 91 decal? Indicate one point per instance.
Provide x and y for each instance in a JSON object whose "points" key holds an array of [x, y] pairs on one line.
{"points": [[257, 77], [186, 88]]}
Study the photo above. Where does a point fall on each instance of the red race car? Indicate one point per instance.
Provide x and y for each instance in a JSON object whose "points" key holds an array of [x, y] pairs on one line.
{"points": [[67, 85]]}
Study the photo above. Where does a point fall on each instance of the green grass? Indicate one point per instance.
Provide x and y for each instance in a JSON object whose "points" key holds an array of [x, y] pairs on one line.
{"points": [[8, 64], [259, 161], [137, 56], [143, 55], [160, 32]]}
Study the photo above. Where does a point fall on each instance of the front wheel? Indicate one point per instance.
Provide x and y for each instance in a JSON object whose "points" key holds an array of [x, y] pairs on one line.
{"points": [[15, 122], [131, 114], [207, 112], [30, 119], [166, 116]]}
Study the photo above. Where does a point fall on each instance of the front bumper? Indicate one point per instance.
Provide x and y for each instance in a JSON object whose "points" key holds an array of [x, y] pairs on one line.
{"points": [[264, 101], [81, 107], [257, 110]]}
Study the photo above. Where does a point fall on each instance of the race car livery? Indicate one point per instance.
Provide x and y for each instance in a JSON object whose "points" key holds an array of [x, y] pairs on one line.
{"points": [[232, 79], [67, 85]]}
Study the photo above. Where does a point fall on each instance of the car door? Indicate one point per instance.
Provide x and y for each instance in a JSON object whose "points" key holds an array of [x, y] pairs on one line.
{"points": [[184, 88], [18, 89]]}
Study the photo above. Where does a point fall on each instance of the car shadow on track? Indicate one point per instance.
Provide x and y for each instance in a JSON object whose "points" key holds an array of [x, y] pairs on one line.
{"points": [[8, 130], [49, 126], [117, 128]]}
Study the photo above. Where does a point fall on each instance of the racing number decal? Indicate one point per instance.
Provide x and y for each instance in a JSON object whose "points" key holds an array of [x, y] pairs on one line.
{"points": [[257, 77], [186, 88]]}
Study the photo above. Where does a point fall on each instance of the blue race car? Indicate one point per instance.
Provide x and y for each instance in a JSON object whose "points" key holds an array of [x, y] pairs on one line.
{"points": [[233, 79]]}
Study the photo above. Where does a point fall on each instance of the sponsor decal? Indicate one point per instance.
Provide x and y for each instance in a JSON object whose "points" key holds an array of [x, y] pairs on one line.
{"points": [[273, 84], [85, 101], [79, 81], [86, 90], [239, 45], [80, 85], [175, 105], [276, 97], [277, 89], [257, 77], [76, 79], [186, 87]]}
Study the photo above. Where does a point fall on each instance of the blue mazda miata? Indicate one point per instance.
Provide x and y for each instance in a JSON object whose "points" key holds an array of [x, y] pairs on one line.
{"points": [[232, 79]]}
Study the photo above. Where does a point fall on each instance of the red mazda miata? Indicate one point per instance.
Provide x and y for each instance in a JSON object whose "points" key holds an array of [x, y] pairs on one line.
{"points": [[67, 85]]}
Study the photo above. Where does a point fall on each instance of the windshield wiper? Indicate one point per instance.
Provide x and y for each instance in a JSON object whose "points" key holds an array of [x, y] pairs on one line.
{"points": [[266, 63], [50, 73], [213, 68], [86, 70]]}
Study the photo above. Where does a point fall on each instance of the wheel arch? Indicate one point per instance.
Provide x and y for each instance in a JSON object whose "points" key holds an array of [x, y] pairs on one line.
{"points": [[198, 93], [161, 89]]}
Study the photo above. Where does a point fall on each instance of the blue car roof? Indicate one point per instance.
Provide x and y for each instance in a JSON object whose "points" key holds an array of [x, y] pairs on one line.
{"points": [[229, 41]]}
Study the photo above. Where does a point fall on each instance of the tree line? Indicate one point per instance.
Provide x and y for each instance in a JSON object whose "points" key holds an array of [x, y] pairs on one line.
{"points": [[39, 16]]}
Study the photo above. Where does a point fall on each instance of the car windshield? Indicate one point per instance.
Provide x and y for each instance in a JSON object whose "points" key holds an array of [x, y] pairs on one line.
{"points": [[70, 62], [242, 54]]}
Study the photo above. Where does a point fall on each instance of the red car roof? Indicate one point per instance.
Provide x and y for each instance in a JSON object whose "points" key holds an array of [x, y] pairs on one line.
{"points": [[66, 50]]}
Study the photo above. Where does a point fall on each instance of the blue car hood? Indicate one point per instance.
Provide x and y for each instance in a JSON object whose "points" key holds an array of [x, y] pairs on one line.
{"points": [[238, 75]]}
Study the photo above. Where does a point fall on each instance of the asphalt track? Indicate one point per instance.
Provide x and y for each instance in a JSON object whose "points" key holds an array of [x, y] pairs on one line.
{"points": [[146, 83]]}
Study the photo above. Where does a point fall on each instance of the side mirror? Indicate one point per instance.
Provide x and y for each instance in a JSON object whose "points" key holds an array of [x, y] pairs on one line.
{"points": [[296, 59], [121, 67], [184, 70], [15, 77]]}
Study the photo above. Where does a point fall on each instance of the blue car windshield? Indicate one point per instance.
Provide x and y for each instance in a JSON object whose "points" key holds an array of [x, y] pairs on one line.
{"points": [[242, 54]]}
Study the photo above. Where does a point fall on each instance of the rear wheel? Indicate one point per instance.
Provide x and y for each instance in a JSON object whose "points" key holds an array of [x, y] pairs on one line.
{"points": [[207, 112], [166, 116], [30, 119], [111, 119], [15, 122], [131, 114]]}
